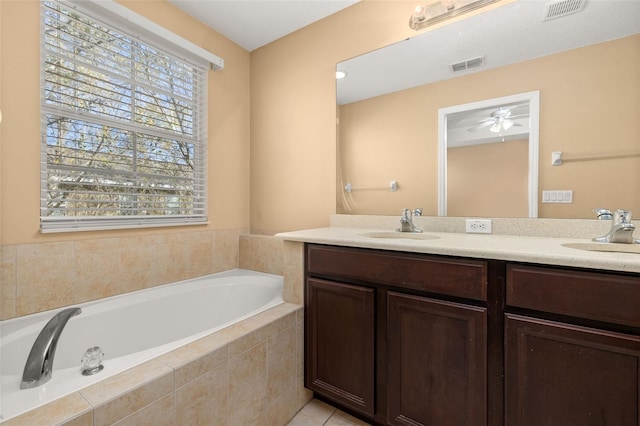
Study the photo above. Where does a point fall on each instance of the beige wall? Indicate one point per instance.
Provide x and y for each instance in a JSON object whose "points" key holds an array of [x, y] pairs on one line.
{"points": [[585, 109]]}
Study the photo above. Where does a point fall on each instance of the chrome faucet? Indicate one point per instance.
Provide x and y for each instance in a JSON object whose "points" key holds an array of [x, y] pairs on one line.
{"points": [[621, 229], [39, 366], [406, 221]]}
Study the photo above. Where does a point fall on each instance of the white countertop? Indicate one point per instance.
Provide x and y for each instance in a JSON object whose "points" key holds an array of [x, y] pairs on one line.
{"points": [[540, 250]]}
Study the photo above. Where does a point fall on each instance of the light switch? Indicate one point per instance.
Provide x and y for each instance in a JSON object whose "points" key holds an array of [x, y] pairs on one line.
{"points": [[562, 197]]}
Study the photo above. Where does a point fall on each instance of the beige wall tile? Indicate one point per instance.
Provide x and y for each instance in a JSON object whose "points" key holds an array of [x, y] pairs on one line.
{"points": [[261, 253], [293, 272], [204, 401], [173, 250], [70, 408], [248, 341], [303, 394], [281, 324], [300, 348], [293, 285], [52, 275], [85, 419], [7, 281], [283, 408], [129, 391], [44, 277], [99, 271], [248, 384], [260, 419], [196, 358], [159, 413], [281, 366], [226, 249], [198, 248], [139, 260], [293, 253]]}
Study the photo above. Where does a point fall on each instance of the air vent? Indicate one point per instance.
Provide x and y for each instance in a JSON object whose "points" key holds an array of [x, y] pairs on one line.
{"points": [[469, 63], [559, 8]]}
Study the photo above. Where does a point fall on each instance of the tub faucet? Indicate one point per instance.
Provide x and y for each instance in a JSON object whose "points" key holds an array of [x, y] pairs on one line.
{"points": [[39, 366], [621, 229], [406, 222]]}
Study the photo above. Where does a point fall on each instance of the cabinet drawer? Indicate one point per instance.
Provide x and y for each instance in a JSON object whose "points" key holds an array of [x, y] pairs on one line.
{"points": [[591, 295], [454, 277]]}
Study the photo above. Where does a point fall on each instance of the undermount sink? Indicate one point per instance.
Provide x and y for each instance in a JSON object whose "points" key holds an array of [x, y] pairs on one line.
{"points": [[610, 247], [399, 235]]}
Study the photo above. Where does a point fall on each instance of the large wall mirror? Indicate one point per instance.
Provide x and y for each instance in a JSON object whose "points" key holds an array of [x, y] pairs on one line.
{"points": [[585, 71]]}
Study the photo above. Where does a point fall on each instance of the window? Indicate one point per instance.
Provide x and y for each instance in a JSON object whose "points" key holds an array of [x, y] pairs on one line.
{"points": [[123, 128]]}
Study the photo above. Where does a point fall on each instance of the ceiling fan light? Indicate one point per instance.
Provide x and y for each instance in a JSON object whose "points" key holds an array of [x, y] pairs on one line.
{"points": [[506, 124], [496, 128]]}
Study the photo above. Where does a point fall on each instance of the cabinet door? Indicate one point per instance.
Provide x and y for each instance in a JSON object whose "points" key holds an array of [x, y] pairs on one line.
{"points": [[560, 374], [437, 373], [340, 343]]}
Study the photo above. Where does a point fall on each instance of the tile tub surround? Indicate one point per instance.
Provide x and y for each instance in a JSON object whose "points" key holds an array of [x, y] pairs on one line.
{"points": [[262, 253], [43, 276], [249, 373]]}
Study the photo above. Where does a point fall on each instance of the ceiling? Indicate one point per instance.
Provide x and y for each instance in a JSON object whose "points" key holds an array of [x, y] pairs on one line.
{"points": [[254, 23]]}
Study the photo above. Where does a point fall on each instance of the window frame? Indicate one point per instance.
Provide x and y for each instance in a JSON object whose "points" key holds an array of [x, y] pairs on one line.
{"points": [[138, 30]]}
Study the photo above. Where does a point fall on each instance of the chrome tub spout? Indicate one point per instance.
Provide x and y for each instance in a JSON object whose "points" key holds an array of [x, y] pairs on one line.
{"points": [[39, 364]]}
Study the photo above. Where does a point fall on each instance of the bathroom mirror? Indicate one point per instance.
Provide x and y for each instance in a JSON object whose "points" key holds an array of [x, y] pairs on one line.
{"points": [[585, 67], [492, 144]]}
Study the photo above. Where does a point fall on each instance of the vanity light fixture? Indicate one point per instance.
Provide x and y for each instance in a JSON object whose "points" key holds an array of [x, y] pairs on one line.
{"points": [[438, 11]]}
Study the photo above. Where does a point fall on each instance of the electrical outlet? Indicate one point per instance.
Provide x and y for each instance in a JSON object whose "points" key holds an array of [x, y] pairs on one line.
{"points": [[479, 226]]}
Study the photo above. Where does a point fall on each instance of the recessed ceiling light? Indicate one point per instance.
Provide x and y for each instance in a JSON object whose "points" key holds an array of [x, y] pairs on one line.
{"points": [[341, 74]]}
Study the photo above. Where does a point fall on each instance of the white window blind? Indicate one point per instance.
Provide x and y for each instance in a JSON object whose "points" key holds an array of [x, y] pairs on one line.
{"points": [[123, 128]]}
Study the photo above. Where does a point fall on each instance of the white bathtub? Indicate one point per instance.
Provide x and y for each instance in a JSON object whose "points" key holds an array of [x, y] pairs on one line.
{"points": [[130, 329]]}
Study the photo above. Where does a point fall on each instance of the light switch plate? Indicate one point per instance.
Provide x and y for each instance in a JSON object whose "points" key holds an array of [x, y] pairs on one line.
{"points": [[562, 197]]}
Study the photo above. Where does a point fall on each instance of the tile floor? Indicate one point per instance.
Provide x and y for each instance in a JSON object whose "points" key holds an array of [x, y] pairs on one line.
{"points": [[317, 413]]}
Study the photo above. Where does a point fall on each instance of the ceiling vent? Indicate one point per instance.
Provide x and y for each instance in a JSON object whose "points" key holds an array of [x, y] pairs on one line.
{"points": [[559, 8], [469, 63]]}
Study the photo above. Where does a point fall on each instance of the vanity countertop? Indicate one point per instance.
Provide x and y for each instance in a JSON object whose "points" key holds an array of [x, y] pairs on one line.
{"points": [[540, 250]]}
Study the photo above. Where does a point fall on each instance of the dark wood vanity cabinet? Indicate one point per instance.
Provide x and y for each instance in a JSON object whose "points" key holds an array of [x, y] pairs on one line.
{"points": [[408, 339], [398, 338], [572, 350]]}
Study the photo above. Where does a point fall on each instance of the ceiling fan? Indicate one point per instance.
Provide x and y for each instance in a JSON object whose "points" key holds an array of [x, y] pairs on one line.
{"points": [[499, 120]]}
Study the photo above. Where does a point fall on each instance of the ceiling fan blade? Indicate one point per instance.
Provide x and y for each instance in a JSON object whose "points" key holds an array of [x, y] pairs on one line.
{"points": [[486, 123]]}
